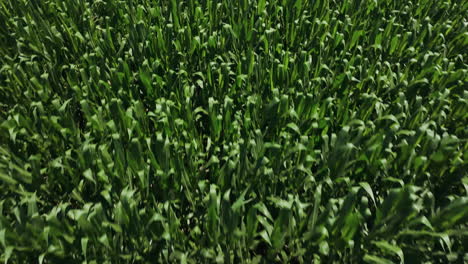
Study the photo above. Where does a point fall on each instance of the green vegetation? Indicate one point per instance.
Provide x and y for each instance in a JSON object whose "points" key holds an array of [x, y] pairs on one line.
{"points": [[309, 131]]}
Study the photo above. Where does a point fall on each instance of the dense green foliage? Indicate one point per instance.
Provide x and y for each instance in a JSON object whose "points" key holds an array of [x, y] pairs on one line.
{"points": [[245, 131]]}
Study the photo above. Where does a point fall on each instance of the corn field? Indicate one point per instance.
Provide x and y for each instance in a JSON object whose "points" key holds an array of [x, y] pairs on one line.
{"points": [[247, 131]]}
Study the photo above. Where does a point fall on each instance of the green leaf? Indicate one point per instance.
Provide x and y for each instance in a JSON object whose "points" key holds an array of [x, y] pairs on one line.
{"points": [[146, 80], [387, 247], [7, 253], [368, 189], [84, 245], [261, 6], [356, 35], [2, 237], [376, 260]]}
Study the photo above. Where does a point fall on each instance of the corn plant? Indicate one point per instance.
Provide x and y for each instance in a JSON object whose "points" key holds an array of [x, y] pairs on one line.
{"points": [[250, 131]]}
